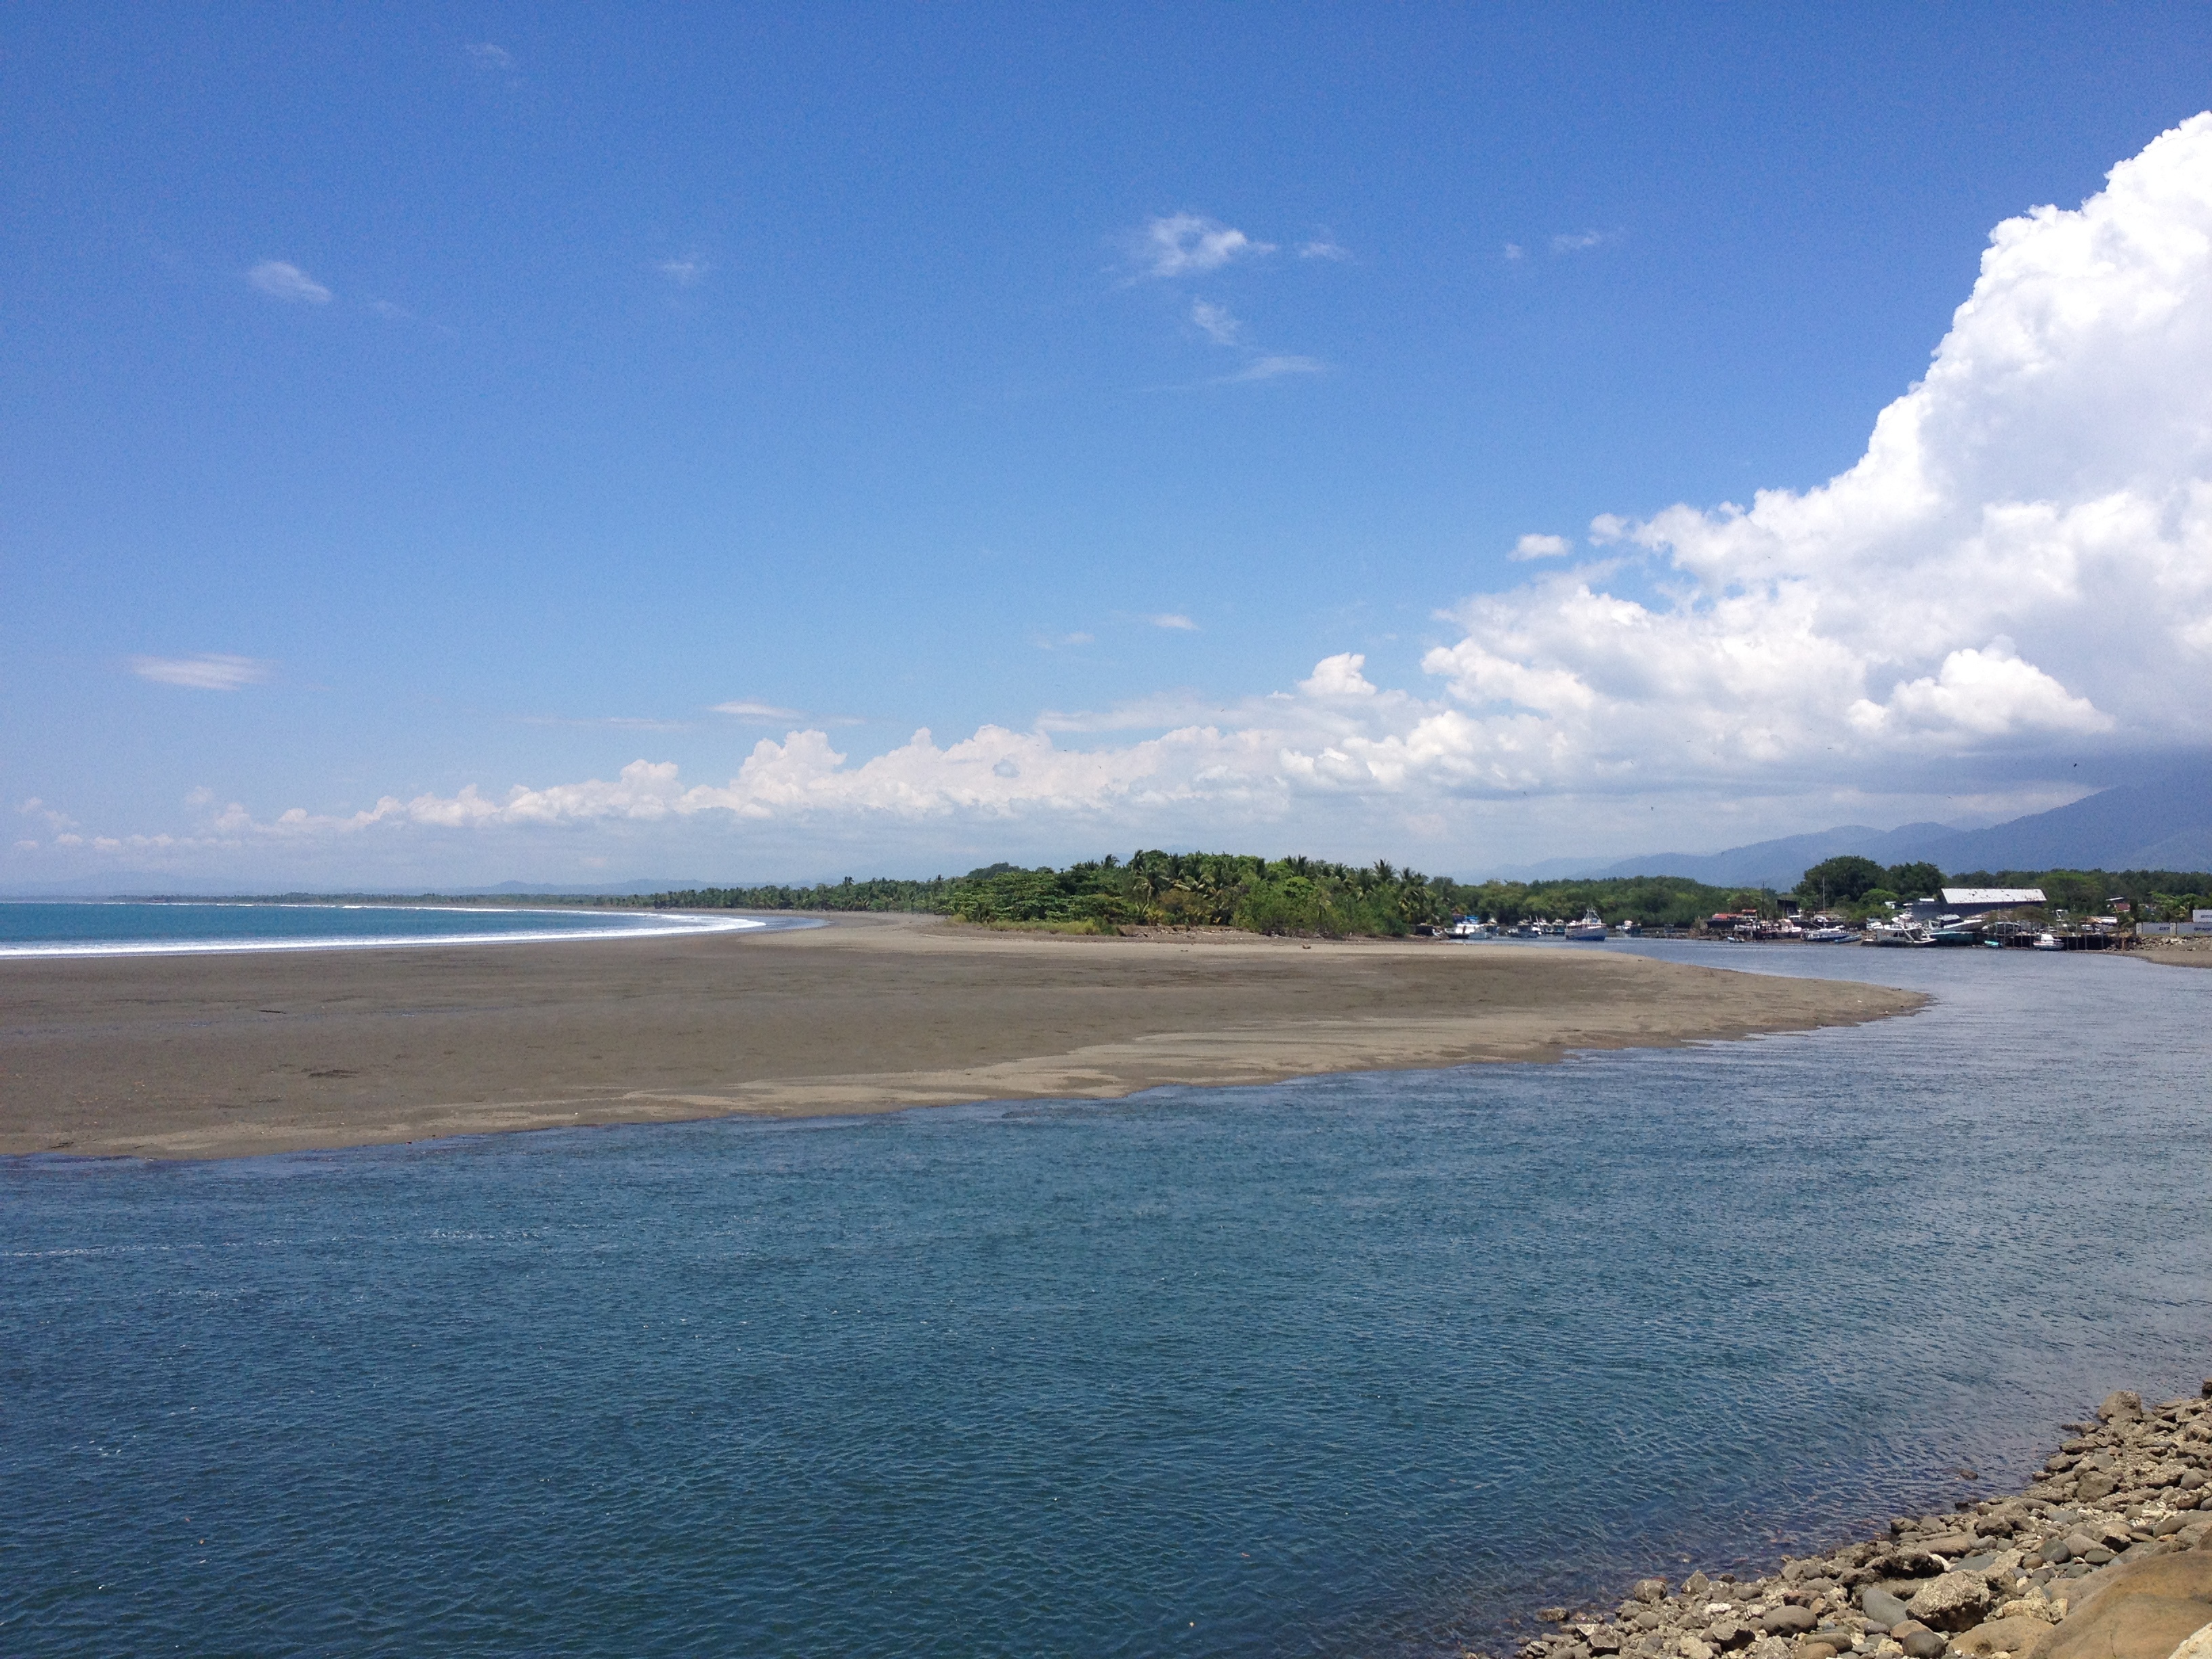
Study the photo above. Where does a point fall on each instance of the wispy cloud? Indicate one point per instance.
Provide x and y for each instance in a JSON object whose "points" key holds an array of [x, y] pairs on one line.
{"points": [[1534, 546], [396, 313], [1323, 247], [1173, 619], [208, 672], [1272, 367], [1216, 322], [1578, 241], [687, 272], [746, 709], [1515, 250], [758, 713], [1061, 642], [280, 279], [608, 722], [1187, 244], [491, 57]]}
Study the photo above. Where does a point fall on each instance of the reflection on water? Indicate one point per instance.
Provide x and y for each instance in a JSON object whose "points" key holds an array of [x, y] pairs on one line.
{"points": [[1358, 1364]]}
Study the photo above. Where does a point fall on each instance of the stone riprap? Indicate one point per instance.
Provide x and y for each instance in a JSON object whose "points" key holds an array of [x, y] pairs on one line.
{"points": [[2055, 1572]]}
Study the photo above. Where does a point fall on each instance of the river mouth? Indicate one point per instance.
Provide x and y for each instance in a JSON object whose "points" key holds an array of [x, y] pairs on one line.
{"points": [[1364, 1364]]}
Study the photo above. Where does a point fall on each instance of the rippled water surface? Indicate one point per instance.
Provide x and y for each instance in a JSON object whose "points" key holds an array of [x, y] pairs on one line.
{"points": [[1361, 1365]]}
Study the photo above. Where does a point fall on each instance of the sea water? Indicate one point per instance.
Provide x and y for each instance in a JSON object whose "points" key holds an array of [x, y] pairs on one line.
{"points": [[1355, 1365], [126, 927]]}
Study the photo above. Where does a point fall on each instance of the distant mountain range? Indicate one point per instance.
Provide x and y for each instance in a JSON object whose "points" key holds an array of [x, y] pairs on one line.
{"points": [[2161, 825]]}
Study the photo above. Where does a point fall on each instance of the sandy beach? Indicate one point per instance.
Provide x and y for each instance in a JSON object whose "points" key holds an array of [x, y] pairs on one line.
{"points": [[232, 1055]]}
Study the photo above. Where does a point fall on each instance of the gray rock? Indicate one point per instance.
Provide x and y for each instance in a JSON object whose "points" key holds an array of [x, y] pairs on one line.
{"points": [[1649, 1589], [2095, 1485], [1788, 1621], [1955, 1600], [1919, 1641], [1885, 1609], [2122, 1405]]}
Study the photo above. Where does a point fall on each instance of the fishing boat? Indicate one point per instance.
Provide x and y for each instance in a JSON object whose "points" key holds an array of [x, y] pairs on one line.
{"points": [[1830, 934], [1590, 928]]}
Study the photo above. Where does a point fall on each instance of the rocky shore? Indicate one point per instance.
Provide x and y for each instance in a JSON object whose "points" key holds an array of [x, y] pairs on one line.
{"points": [[2104, 1556]]}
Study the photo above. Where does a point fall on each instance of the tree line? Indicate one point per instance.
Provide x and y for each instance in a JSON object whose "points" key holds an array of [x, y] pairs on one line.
{"points": [[1854, 886], [1243, 891]]}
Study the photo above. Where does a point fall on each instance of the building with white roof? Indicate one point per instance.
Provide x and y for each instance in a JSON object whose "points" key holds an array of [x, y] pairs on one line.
{"points": [[1967, 902]]}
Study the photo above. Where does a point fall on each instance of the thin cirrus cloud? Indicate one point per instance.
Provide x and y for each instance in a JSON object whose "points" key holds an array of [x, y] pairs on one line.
{"points": [[687, 272], [1579, 241], [754, 712], [1216, 322], [1274, 366], [280, 279], [1189, 244], [490, 56], [1323, 247], [1175, 621], [607, 722], [208, 672]]}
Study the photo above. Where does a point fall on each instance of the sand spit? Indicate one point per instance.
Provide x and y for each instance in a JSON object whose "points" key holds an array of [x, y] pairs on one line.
{"points": [[167, 1057], [2103, 1557]]}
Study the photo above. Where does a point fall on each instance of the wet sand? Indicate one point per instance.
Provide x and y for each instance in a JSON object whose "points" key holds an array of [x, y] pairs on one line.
{"points": [[232, 1055]]}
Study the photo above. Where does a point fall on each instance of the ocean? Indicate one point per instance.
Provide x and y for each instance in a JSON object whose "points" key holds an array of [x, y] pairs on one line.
{"points": [[1369, 1364], [125, 927]]}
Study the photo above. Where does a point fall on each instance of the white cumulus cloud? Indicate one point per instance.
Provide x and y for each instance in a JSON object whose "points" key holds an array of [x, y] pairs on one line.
{"points": [[1534, 546], [280, 280]]}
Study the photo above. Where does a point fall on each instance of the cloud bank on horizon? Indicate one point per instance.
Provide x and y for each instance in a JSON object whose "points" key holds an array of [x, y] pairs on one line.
{"points": [[2022, 561]]}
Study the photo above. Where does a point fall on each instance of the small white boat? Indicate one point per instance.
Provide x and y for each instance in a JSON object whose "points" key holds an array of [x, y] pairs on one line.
{"points": [[1470, 927], [2048, 942], [1828, 936], [1590, 928]]}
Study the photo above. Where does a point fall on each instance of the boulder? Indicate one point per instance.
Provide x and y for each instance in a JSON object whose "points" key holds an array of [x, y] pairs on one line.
{"points": [[1883, 1608], [1788, 1621], [2198, 1646], [2139, 1610], [1919, 1641], [1649, 1589], [2095, 1485], [2121, 1406], [1954, 1601]]}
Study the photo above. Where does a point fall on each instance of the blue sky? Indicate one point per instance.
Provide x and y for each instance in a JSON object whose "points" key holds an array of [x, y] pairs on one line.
{"points": [[407, 402]]}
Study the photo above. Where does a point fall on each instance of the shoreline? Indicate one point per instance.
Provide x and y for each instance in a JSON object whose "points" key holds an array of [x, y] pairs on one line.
{"points": [[2106, 1554], [242, 1054]]}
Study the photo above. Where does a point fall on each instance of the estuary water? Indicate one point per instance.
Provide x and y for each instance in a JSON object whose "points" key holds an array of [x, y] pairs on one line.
{"points": [[1355, 1365], [97, 927]]}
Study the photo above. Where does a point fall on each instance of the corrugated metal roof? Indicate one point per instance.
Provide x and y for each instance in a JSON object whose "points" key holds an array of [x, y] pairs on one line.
{"points": [[1992, 896]]}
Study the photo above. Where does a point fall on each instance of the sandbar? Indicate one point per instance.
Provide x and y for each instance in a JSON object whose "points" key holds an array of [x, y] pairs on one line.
{"points": [[176, 1057]]}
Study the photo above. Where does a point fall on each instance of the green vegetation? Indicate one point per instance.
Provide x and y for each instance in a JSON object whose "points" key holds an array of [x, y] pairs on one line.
{"points": [[1850, 881], [1232, 889], [2152, 894]]}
